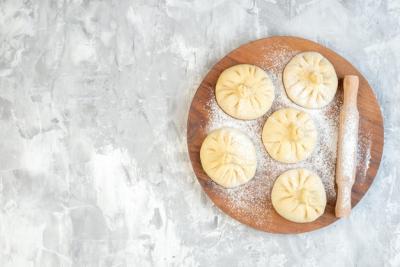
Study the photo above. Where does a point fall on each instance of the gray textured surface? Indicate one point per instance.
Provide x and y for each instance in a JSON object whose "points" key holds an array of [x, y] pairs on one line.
{"points": [[93, 105]]}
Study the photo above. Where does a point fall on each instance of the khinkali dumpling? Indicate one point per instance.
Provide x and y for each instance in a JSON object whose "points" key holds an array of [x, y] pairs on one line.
{"points": [[299, 196], [228, 157], [289, 135], [244, 91], [310, 80]]}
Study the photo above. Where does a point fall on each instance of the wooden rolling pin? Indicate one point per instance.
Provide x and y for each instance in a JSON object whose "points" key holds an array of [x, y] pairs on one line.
{"points": [[347, 146]]}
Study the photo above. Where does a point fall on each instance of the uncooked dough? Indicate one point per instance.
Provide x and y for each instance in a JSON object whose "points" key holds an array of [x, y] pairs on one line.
{"points": [[298, 195], [289, 135], [244, 91], [228, 157], [310, 80]]}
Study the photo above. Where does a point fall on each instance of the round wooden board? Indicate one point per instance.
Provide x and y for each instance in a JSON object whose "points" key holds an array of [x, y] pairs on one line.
{"points": [[371, 122]]}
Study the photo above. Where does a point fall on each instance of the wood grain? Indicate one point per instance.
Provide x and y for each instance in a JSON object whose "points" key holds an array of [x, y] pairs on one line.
{"points": [[370, 126]]}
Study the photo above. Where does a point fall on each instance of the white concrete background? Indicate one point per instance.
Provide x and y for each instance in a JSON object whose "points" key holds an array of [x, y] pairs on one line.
{"points": [[94, 97]]}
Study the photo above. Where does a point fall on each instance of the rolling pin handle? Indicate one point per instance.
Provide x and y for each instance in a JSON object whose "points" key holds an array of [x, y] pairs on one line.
{"points": [[350, 86], [343, 202]]}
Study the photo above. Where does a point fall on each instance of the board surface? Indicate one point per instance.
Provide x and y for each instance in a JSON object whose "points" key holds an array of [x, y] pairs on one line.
{"points": [[371, 122]]}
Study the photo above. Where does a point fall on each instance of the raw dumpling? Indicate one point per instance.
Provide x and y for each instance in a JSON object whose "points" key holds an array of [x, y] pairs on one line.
{"points": [[244, 91], [289, 135], [310, 80], [299, 196], [228, 157]]}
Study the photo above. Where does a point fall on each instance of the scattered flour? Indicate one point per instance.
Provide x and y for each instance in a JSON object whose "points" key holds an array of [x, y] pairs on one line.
{"points": [[363, 155]]}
